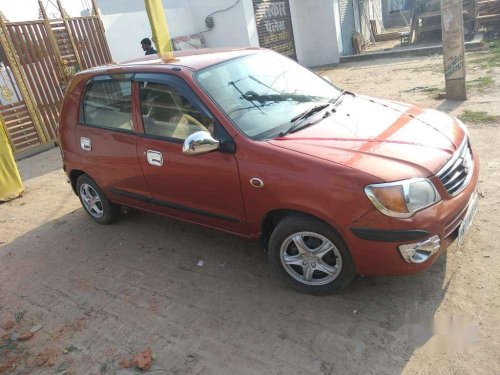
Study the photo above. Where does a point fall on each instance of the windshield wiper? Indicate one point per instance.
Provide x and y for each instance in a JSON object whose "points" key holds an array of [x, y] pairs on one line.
{"points": [[299, 125], [310, 112]]}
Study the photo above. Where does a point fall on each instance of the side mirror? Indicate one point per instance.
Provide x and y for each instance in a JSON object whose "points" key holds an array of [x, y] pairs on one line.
{"points": [[200, 143], [327, 79]]}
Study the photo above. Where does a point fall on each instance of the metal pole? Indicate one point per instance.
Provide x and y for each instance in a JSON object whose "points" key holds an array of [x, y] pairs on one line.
{"points": [[159, 28], [453, 49]]}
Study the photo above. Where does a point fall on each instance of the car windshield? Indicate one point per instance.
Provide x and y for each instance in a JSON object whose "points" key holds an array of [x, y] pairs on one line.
{"points": [[261, 93]]}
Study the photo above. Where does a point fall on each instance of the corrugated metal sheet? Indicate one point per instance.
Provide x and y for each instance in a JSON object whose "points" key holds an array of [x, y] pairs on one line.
{"points": [[274, 26], [347, 25]]}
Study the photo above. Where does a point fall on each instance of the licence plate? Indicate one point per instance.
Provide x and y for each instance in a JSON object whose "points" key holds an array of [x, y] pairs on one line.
{"points": [[469, 217]]}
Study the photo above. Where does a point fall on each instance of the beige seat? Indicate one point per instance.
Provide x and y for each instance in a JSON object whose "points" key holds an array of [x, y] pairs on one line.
{"points": [[165, 116]]}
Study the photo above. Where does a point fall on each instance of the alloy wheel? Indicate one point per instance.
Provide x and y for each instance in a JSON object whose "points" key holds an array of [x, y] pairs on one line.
{"points": [[91, 200], [311, 258]]}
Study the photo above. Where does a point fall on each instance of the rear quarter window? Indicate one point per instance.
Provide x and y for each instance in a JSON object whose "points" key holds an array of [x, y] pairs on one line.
{"points": [[107, 104]]}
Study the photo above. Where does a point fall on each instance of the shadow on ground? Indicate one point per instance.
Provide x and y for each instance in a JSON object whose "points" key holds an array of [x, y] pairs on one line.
{"points": [[46, 162], [137, 283], [449, 105]]}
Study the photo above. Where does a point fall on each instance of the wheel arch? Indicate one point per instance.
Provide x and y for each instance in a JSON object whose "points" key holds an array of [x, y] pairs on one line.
{"points": [[73, 176], [273, 217]]}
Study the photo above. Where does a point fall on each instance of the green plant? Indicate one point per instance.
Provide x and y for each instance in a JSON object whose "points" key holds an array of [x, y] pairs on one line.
{"points": [[431, 90], [481, 82], [477, 117], [492, 59]]}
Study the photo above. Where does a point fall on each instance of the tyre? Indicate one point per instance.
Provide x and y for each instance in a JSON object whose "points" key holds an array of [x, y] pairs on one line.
{"points": [[95, 202], [310, 255]]}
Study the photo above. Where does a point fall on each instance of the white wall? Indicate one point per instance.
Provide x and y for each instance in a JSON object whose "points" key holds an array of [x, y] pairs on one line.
{"points": [[124, 31], [27, 10], [233, 28], [126, 23], [314, 32]]}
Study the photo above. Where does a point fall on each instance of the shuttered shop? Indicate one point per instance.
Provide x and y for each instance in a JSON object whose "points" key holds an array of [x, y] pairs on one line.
{"points": [[347, 24], [274, 26]]}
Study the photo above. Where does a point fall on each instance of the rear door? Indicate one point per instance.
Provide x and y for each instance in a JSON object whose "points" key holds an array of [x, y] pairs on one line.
{"points": [[202, 188], [107, 139]]}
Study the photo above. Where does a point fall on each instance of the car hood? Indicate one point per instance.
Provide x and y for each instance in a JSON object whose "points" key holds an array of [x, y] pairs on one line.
{"points": [[387, 139]]}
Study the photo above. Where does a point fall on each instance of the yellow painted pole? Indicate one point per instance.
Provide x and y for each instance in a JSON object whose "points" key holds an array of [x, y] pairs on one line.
{"points": [[159, 28], [11, 185]]}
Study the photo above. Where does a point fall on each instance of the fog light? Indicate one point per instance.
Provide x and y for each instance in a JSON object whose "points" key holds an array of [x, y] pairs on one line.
{"points": [[421, 251]]}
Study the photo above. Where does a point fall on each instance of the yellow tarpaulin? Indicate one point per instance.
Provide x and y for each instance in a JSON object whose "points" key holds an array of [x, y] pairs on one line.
{"points": [[11, 185], [159, 28]]}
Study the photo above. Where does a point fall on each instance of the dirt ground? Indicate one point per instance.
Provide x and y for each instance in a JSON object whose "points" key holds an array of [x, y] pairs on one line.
{"points": [[103, 293]]}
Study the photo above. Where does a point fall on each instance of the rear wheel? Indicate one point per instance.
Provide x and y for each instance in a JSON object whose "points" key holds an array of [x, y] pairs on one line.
{"points": [[95, 203], [310, 255]]}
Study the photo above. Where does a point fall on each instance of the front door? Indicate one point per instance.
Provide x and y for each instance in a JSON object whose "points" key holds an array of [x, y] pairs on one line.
{"points": [[202, 188]]}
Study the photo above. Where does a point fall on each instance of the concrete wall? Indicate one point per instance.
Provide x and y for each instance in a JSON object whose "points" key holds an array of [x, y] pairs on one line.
{"points": [[233, 28], [314, 32]]}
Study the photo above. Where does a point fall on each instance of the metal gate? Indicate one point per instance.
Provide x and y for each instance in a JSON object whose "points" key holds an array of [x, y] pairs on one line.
{"points": [[37, 60]]}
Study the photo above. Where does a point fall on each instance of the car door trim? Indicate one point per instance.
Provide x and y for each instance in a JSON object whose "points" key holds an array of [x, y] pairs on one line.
{"points": [[173, 205], [176, 83]]}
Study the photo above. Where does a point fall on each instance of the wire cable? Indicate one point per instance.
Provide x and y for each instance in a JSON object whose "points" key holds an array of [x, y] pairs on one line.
{"points": [[223, 10], [218, 11]]}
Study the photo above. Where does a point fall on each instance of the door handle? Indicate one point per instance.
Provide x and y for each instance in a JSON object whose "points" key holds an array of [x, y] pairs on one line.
{"points": [[155, 158], [86, 143]]}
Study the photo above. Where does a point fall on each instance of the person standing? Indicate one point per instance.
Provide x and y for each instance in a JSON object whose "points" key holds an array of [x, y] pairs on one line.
{"points": [[147, 47]]}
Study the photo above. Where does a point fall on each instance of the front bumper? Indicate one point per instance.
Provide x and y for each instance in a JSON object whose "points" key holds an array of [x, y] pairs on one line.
{"points": [[375, 239]]}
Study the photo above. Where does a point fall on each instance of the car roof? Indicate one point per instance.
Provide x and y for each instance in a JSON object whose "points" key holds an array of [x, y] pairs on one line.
{"points": [[196, 59]]}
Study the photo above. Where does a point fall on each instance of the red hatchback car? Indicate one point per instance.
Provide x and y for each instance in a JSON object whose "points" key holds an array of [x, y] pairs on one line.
{"points": [[247, 141]]}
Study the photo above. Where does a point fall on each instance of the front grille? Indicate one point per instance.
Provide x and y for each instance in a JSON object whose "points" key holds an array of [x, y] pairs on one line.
{"points": [[457, 172]]}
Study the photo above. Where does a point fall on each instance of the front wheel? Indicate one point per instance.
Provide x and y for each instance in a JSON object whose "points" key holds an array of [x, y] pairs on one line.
{"points": [[310, 255]]}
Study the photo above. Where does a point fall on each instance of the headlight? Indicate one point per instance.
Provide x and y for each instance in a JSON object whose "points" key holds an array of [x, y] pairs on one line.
{"points": [[403, 198]]}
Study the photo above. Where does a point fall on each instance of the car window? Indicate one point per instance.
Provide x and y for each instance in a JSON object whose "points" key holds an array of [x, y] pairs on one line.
{"points": [[261, 93], [107, 104], [167, 113]]}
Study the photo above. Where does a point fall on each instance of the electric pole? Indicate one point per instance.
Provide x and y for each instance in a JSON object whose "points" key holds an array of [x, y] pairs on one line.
{"points": [[453, 49]]}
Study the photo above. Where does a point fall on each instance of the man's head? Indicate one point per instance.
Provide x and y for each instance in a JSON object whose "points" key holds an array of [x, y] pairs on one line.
{"points": [[146, 44]]}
